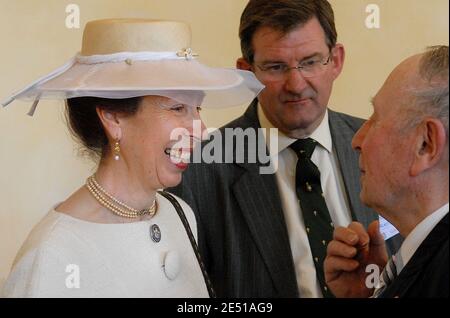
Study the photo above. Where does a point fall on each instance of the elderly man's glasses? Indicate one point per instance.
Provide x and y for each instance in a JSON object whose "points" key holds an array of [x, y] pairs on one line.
{"points": [[308, 68]]}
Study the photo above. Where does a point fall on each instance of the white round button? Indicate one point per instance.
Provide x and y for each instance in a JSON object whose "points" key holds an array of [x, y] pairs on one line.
{"points": [[171, 265]]}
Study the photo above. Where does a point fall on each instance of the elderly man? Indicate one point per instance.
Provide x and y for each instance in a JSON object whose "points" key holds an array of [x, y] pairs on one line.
{"points": [[404, 163], [265, 235]]}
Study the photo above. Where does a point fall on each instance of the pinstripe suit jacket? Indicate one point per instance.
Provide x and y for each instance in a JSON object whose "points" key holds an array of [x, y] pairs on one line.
{"points": [[241, 228]]}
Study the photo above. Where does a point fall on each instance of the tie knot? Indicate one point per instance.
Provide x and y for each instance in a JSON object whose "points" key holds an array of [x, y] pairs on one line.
{"points": [[304, 147]]}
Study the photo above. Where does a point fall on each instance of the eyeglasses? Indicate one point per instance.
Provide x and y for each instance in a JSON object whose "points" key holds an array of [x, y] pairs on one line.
{"points": [[308, 68]]}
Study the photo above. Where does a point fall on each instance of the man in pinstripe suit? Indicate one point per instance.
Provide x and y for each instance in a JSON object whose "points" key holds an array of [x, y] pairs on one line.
{"points": [[251, 231]]}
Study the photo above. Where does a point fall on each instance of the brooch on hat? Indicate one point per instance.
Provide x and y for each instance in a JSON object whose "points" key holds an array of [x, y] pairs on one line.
{"points": [[187, 54]]}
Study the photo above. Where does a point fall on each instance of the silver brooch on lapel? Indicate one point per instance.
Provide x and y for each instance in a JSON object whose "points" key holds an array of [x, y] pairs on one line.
{"points": [[155, 233]]}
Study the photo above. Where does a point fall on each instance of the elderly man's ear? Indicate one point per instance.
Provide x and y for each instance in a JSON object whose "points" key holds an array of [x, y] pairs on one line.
{"points": [[431, 146]]}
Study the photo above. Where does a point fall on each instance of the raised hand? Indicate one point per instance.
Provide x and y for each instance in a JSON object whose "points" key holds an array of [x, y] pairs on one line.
{"points": [[348, 255]]}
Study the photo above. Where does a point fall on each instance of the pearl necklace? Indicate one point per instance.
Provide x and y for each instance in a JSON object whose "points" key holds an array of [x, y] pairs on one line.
{"points": [[113, 204]]}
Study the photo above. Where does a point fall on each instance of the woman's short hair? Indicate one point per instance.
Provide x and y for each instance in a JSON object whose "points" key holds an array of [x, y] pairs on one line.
{"points": [[85, 125]]}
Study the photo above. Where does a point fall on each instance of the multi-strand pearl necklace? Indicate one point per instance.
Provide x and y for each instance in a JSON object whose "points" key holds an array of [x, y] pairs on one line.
{"points": [[114, 205]]}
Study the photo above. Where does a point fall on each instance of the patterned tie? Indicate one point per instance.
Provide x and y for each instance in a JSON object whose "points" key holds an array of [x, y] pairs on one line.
{"points": [[316, 216], [387, 276]]}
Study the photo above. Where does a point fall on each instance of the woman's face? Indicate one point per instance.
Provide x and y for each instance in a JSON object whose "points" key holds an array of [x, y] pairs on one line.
{"points": [[157, 141]]}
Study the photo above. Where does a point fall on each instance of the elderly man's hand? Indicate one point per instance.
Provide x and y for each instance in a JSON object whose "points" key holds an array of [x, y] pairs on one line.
{"points": [[348, 255]]}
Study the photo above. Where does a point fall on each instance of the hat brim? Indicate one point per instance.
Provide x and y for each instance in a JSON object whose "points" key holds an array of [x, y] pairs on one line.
{"points": [[186, 81]]}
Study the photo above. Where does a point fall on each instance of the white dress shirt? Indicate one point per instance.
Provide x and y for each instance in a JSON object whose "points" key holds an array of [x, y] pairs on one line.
{"points": [[333, 188]]}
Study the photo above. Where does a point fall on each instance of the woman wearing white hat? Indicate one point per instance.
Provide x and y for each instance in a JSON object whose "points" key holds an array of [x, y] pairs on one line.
{"points": [[132, 85]]}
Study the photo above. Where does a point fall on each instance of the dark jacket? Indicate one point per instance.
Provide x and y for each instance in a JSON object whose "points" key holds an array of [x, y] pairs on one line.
{"points": [[426, 273]]}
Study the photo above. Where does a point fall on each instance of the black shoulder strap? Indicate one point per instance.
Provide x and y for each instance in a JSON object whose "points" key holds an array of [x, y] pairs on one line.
{"points": [[185, 222]]}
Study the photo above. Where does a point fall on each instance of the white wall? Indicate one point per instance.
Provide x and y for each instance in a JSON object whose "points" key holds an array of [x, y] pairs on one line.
{"points": [[39, 165]]}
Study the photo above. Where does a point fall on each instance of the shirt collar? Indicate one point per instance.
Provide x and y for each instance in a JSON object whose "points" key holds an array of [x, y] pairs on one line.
{"points": [[321, 134], [418, 235]]}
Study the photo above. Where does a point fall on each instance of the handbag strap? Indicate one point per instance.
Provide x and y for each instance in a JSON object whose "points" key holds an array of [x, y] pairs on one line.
{"points": [[185, 222]]}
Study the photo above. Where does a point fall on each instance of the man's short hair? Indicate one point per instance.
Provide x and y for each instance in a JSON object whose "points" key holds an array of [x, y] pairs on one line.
{"points": [[432, 100], [284, 16]]}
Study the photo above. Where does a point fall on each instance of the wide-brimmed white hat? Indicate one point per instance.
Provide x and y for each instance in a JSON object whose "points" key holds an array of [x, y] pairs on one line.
{"points": [[124, 58]]}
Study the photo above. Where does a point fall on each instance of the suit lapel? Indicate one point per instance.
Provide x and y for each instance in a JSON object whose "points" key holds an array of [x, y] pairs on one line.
{"points": [[342, 136], [259, 200], [260, 203]]}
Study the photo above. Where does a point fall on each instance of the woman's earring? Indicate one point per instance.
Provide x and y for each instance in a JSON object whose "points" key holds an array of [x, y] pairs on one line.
{"points": [[116, 150]]}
